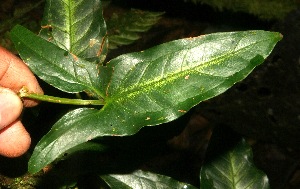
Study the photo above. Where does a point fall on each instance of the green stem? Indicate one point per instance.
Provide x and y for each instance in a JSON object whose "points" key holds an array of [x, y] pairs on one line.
{"points": [[23, 93]]}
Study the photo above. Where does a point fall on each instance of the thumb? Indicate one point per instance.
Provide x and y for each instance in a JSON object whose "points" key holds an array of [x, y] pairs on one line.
{"points": [[14, 140], [10, 107]]}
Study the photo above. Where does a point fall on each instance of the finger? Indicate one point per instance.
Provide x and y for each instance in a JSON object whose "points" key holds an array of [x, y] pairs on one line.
{"points": [[14, 74], [10, 107], [14, 140]]}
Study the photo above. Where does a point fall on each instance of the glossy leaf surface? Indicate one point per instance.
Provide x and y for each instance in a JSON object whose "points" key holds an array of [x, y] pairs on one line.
{"points": [[233, 170], [76, 26], [55, 65], [145, 180], [158, 85]]}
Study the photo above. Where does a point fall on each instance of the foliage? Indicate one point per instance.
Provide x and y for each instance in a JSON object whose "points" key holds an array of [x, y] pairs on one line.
{"points": [[123, 29], [142, 179], [133, 90], [234, 169], [264, 9]]}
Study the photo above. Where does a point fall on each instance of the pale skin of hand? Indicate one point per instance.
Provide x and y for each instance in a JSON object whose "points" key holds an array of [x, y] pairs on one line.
{"points": [[14, 74]]}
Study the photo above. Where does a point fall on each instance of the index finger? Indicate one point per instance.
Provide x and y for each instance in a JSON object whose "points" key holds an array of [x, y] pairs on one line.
{"points": [[14, 74]]}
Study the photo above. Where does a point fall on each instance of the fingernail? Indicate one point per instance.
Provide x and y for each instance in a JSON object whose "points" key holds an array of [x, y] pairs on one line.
{"points": [[10, 107]]}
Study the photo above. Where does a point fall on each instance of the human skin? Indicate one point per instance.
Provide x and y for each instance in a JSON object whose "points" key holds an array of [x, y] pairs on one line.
{"points": [[14, 74]]}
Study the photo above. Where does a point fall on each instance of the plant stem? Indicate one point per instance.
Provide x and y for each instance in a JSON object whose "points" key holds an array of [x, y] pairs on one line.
{"points": [[23, 93]]}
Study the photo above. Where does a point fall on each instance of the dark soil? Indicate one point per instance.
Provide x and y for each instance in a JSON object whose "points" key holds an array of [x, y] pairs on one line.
{"points": [[264, 108]]}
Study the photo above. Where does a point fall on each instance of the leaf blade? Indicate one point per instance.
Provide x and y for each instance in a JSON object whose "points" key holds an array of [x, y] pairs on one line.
{"points": [[152, 72], [76, 26], [143, 179], [234, 169], [123, 29], [55, 65]]}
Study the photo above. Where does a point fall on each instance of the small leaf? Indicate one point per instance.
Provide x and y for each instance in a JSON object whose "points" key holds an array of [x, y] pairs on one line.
{"points": [[233, 170], [143, 179], [123, 29], [157, 86], [76, 26], [55, 65]]}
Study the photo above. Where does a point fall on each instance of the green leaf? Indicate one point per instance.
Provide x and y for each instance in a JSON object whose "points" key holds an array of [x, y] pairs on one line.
{"points": [[160, 84], [143, 179], [233, 170], [157, 86], [123, 29], [55, 65], [76, 26]]}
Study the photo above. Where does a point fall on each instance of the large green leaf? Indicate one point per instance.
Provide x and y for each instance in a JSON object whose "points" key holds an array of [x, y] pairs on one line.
{"points": [[158, 85], [55, 65], [77, 26], [233, 170], [144, 180]]}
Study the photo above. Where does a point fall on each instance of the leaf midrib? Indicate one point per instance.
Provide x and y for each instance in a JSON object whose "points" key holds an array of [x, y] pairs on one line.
{"points": [[146, 86], [69, 26]]}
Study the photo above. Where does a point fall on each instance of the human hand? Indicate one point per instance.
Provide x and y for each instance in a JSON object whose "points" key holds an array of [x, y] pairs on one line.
{"points": [[14, 74]]}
